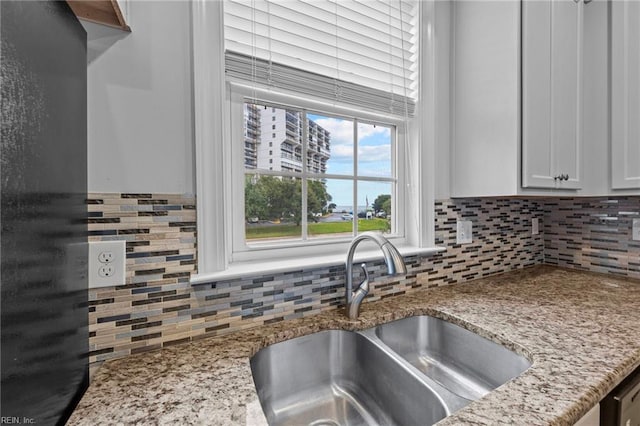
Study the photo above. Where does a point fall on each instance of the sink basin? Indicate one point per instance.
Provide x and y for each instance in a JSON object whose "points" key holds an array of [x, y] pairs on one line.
{"points": [[461, 361], [339, 378], [413, 371]]}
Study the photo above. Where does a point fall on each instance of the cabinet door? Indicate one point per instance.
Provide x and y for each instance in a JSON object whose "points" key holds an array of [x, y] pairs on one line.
{"points": [[625, 94], [552, 33]]}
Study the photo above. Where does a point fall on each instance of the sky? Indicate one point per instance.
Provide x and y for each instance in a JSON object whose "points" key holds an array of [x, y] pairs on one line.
{"points": [[374, 159]]}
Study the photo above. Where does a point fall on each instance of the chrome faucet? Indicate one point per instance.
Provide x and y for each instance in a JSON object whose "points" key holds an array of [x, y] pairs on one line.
{"points": [[392, 257]]}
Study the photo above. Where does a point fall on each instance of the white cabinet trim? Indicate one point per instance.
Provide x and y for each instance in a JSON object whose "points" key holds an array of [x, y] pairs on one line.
{"points": [[621, 87]]}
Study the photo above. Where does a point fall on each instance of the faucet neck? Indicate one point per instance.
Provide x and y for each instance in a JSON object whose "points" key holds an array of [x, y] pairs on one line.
{"points": [[393, 260], [349, 263]]}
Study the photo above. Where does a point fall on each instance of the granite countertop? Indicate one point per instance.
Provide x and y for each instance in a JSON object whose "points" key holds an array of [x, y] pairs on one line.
{"points": [[580, 330]]}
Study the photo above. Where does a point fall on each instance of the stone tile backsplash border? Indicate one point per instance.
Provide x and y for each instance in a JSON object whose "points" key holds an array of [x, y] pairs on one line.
{"points": [[157, 306]]}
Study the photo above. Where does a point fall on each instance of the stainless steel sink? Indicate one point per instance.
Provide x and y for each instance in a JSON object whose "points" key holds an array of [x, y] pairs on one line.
{"points": [[414, 371], [343, 378], [461, 361]]}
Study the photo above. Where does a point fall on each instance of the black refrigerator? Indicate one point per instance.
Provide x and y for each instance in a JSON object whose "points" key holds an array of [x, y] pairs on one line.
{"points": [[43, 238]]}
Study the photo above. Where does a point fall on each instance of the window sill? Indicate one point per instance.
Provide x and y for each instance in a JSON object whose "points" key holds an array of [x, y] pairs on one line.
{"points": [[243, 269]]}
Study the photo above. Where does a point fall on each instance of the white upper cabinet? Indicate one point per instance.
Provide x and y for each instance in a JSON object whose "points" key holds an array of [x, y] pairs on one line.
{"points": [[552, 76], [625, 94], [531, 83], [517, 94], [485, 152]]}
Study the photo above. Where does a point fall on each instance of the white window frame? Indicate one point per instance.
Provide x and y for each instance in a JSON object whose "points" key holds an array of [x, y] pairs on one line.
{"points": [[237, 95], [213, 150]]}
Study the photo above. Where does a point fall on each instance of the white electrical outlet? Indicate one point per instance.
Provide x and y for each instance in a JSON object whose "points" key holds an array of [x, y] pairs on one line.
{"points": [[464, 232], [635, 233], [105, 257], [106, 271], [107, 263], [535, 227]]}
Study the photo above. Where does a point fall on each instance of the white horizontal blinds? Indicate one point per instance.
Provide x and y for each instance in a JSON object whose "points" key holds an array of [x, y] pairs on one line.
{"points": [[360, 53]]}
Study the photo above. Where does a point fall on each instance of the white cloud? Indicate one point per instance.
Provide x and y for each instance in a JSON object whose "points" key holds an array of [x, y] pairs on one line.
{"points": [[342, 151], [341, 138], [341, 130], [368, 130], [371, 153]]}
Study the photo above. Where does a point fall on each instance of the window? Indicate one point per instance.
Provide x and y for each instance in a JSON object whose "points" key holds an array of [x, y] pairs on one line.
{"points": [[333, 186], [349, 61], [313, 195]]}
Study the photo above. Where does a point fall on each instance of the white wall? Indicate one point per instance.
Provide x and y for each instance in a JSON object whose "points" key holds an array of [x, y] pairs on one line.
{"points": [[140, 104]]}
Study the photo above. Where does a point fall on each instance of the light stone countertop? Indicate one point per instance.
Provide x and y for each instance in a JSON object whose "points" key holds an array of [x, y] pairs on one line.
{"points": [[581, 330]]}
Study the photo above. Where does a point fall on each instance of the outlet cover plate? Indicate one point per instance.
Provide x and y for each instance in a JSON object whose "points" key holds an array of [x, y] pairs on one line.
{"points": [[464, 232], [114, 250], [635, 233], [535, 226]]}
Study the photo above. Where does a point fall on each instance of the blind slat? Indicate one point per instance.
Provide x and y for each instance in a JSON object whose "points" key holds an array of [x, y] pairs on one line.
{"points": [[323, 29], [325, 59], [314, 38], [250, 69], [364, 56]]}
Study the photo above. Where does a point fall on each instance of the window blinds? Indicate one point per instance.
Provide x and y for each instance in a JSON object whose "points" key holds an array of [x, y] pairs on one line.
{"points": [[361, 53]]}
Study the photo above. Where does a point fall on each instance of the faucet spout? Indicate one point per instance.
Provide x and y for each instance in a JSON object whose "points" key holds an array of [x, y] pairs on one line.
{"points": [[393, 260]]}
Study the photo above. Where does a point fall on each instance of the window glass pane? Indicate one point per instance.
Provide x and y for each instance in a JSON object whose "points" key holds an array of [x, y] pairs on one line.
{"points": [[374, 150], [328, 218], [318, 146], [266, 128], [374, 206], [273, 208], [330, 148]]}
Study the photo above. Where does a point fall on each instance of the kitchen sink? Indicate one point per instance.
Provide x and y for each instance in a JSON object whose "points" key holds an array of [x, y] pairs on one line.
{"points": [[461, 361], [414, 371], [341, 378]]}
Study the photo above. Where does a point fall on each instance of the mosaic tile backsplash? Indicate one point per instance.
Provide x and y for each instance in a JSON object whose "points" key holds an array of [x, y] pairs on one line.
{"points": [[145, 311], [157, 306], [592, 234]]}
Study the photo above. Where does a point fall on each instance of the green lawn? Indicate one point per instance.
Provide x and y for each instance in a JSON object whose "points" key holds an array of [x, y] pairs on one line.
{"points": [[316, 229]]}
